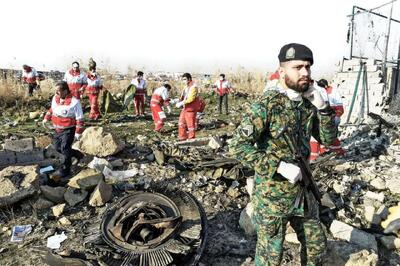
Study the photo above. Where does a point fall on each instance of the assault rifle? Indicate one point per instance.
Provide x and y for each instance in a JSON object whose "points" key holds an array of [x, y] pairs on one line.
{"points": [[308, 181]]}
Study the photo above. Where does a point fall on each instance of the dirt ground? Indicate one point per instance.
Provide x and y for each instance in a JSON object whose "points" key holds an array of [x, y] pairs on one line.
{"points": [[227, 244]]}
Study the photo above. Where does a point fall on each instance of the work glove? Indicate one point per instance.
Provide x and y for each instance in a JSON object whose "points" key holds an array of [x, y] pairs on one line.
{"points": [[77, 136], [173, 101], [337, 120], [315, 97], [47, 124], [179, 104], [290, 171]]}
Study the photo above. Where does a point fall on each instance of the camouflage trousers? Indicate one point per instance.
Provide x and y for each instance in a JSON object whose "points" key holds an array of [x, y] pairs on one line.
{"points": [[271, 234]]}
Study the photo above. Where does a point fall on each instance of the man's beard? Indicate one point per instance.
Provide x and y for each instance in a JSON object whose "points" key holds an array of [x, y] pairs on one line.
{"points": [[296, 86]]}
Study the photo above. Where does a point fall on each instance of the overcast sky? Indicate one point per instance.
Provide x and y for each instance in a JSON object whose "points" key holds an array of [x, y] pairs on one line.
{"points": [[172, 35]]}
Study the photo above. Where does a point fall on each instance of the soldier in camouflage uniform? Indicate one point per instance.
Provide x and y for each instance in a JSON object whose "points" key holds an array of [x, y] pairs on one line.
{"points": [[294, 104]]}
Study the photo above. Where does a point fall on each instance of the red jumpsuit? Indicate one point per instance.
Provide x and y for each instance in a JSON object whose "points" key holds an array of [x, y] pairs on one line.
{"points": [[92, 90], [159, 99], [187, 118], [139, 95]]}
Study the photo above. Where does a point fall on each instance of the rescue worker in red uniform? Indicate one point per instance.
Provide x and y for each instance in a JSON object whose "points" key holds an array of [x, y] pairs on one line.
{"points": [[160, 99], [222, 88], [31, 78], [66, 116], [76, 80], [335, 101], [92, 90], [141, 88], [190, 103]]}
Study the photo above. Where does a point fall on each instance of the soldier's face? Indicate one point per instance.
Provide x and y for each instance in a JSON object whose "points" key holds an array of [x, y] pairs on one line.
{"points": [[296, 74]]}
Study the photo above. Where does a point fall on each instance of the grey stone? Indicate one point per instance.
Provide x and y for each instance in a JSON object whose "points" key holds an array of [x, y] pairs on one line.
{"points": [[55, 194], [96, 141], [117, 163], [383, 212], [19, 145], [150, 157], [86, 179], [33, 156], [73, 196], [390, 242], [101, 194], [50, 152], [245, 220], [42, 204], [160, 157], [7, 158], [347, 232], [327, 201], [17, 183]]}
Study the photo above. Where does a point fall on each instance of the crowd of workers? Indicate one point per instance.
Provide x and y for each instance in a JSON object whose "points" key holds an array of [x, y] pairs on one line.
{"points": [[291, 102]]}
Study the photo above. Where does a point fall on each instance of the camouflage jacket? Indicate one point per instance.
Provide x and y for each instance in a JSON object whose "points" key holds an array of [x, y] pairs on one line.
{"points": [[255, 145]]}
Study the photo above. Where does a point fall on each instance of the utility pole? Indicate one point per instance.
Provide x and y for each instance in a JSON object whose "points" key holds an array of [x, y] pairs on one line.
{"points": [[384, 60]]}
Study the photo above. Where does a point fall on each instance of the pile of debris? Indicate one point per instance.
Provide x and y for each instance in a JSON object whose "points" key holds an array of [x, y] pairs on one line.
{"points": [[154, 203]]}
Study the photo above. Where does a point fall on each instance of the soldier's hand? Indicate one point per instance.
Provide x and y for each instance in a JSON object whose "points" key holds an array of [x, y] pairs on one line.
{"points": [[315, 97], [290, 171]]}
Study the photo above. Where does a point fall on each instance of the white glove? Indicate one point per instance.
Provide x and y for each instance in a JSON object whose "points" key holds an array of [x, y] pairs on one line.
{"points": [[179, 104], [77, 136], [173, 101], [337, 120], [46, 124], [315, 97], [290, 171]]}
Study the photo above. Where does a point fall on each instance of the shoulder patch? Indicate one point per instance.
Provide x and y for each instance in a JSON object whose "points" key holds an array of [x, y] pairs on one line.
{"points": [[248, 130]]}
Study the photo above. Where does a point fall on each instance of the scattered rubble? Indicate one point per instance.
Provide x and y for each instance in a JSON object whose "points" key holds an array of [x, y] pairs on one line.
{"points": [[358, 191]]}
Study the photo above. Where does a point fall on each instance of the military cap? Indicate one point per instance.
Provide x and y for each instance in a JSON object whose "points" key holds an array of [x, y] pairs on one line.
{"points": [[295, 51]]}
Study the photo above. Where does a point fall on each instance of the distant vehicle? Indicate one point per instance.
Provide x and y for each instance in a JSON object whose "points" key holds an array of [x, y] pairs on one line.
{"points": [[119, 77], [41, 75]]}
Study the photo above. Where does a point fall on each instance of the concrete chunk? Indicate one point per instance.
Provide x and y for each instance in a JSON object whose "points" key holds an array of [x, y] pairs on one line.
{"points": [[55, 194], [26, 144], [17, 183], [33, 156], [101, 194], [7, 158], [347, 232], [86, 179]]}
